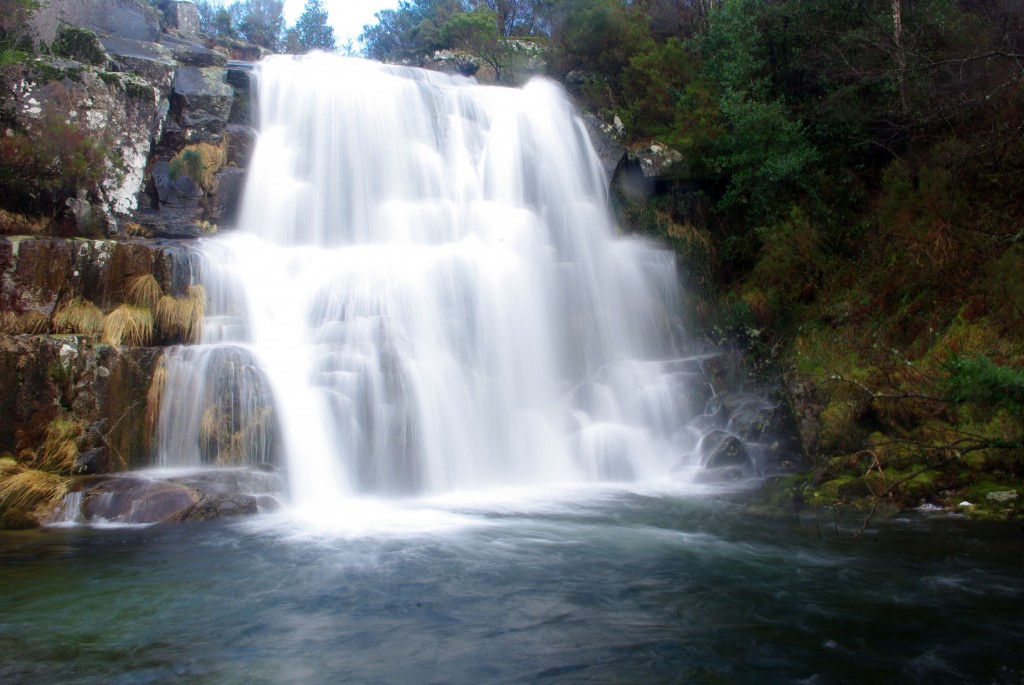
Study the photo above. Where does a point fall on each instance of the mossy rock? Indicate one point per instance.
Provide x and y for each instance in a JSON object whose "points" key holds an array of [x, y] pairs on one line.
{"points": [[997, 499], [81, 45], [840, 432]]}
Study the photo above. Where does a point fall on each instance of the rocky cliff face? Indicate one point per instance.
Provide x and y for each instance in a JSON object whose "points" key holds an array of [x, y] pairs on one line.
{"points": [[124, 137], [150, 107]]}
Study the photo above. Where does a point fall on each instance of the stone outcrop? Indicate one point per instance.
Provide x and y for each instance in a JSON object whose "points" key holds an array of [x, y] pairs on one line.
{"points": [[119, 111], [39, 274], [128, 19], [605, 139], [142, 84], [101, 387]]}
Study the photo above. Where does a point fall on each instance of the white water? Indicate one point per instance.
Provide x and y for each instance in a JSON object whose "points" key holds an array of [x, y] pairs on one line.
{"points": [[427, 287]]}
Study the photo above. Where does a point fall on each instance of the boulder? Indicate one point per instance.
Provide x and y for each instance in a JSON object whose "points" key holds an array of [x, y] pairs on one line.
{"points": [[191, 54], [230, 181], [718, 449], [80, 45], [605, 139], [201, 103], [241, 141], [151, 61], [646, 169], [184, 17], [724, 474], [151, 497], [656, 160]]}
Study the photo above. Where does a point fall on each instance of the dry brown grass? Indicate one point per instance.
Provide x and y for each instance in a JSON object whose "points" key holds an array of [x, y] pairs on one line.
{"points": [[143, 291], [155, 396], [200, 162], [135, 229], [23, 489], [30, 322], [19, 224], [78, 316], [182, 316], [129, 325], [60, 446], [9, 322]]}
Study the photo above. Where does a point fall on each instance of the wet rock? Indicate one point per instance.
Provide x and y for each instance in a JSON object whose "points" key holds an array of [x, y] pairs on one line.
{"points": [[155, 498], [719, 449], [38, 274], [241, 141], [240, 75], [90, 462], [135, 499], [228, 195]]}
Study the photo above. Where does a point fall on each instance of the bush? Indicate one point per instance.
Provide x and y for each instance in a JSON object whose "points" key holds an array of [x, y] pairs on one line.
{"points": [[982, 381], [50, 161]]}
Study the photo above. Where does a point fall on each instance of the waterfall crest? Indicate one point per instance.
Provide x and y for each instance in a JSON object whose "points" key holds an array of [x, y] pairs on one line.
{"points": [[426, 293]]}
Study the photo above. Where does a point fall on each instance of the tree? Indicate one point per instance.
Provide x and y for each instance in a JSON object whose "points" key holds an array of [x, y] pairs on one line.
{"points": [[764, 151], [476, 32], [312, 32], [409, 31], [262, 22], [513, 17]]}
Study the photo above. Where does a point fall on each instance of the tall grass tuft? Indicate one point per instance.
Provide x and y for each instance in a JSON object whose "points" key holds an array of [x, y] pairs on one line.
{"points": [[78, 316], [128, 324], [60, 447], [199, 162], [9, 322], [33, 323], [182, 316], [155, 396], [144, 291], [23, 489]]}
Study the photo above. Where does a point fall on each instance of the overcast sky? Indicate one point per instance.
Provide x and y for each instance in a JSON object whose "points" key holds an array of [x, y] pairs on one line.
{"points": [[347, 17]]}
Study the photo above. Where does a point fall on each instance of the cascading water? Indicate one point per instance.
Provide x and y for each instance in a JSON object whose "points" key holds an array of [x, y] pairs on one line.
{"points": [[426, 294]]}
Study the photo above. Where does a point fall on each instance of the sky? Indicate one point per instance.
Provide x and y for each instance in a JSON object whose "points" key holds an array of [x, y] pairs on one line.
{"points": [[347, 17]]}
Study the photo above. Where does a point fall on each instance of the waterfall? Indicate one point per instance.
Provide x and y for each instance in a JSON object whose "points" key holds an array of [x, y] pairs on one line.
{"points": [[425, 293]]}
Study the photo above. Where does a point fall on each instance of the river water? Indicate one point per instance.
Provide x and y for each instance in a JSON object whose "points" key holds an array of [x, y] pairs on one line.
{"points": [[595, 584]]}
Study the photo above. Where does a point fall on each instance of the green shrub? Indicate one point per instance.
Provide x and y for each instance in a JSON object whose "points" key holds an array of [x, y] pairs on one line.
{"points": [[982, 381]]}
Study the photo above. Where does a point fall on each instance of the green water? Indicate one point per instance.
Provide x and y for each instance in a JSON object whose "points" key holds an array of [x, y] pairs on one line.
{"points": [[605, 586]]}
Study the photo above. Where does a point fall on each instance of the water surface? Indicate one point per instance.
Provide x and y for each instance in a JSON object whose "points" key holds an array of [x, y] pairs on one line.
{"points": [[595, 585]]}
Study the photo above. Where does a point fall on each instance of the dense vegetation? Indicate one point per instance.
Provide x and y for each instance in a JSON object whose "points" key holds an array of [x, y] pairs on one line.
{"points": [[850, 203]]}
